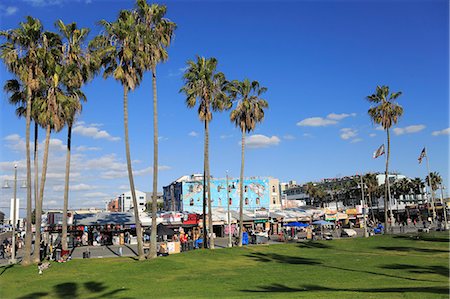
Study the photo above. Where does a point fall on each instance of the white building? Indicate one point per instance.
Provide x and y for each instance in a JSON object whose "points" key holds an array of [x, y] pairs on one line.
{"points": [[126, 201]]}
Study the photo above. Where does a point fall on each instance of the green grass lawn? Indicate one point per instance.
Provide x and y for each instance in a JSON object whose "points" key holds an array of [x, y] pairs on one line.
{"points": [[378, 267]]}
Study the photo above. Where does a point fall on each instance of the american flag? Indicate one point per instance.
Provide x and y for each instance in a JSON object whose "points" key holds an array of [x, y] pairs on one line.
{"points": [[379, 152], [423, 154]]}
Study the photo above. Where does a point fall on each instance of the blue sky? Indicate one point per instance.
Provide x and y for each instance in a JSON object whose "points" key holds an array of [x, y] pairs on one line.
{"points": [[318, 60]]}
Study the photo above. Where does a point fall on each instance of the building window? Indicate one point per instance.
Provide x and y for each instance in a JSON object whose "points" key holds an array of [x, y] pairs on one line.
{"points": [[141, 197], [257, 200], [191, 202], [273, 189], [274, 200], [128, 197], [191, 188], [246, 201], [230, 201], [220, 201], [245, 188]]}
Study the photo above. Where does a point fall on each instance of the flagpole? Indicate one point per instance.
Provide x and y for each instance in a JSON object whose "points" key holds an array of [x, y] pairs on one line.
{"points": [[431, 189], [363, 207]]}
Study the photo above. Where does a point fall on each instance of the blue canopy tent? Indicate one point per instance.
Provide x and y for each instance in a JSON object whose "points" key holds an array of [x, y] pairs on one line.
{"points": [[322, 222], [297, 224]]}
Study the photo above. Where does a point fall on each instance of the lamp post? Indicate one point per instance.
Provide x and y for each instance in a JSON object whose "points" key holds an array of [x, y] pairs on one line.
{"points": [[230, 244], [363, 207], [14, 221], [444, 207]]}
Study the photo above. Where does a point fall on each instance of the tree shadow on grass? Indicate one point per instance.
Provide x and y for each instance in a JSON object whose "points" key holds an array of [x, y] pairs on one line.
{"points": [[296, 260], [70, 290], [5, 268], [439, 270], [279, 288], [423, 237], [279, 258], [399, 248], [312, 244]]}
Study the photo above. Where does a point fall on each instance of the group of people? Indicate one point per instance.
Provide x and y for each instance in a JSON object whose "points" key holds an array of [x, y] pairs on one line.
{"points": [[6, 247]]}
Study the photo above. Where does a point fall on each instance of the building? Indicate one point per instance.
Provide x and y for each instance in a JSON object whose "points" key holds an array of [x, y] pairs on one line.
{"points": [[124, 202], [186, 194], [159, 200]]}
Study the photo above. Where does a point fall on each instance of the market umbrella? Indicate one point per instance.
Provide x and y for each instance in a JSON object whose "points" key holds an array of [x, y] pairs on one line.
{"points": [[322, 222], [296, 224]]}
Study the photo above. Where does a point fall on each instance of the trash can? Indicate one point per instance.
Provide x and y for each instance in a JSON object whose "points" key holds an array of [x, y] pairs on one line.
{"points": [[58, 254]]}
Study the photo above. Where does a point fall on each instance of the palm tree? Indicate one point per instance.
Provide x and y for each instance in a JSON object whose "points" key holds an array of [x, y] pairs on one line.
{"points": [[435, 179], [371, 182], [118, 51], [156, 33], [19, 53], [417, 186], [203, 84], [386, 113], [311, 191], [50, 56], [249, 111], [77, 73]]}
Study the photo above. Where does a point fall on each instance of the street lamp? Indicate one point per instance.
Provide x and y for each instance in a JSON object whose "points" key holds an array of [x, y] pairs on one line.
{"points": [[230, 244], [14, 208], [362, 186]]}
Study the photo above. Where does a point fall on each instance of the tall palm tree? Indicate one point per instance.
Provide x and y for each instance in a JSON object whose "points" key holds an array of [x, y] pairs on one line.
{"points": [[156, 35], [19, 53], [77, 73], [435, 179], [207, 87], [249, 111], [118, 49], [417, 186], [386, 113], [370, 180], [50, 56]]}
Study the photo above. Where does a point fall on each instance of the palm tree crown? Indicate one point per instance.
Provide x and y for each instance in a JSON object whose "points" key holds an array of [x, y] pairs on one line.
{"points": [[250, 107], [387, 112]]}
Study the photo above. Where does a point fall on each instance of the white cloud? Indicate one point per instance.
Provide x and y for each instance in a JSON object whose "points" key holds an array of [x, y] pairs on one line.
{"points": [[93, 131], [307, 135], [44, 2], [379, 128], [261, 141], [95, 194], [162, 138], [83, 148], [341, 116], [331, 119], [8, 10], [348, 133], [115, 174], [193, 134], [409, 129], [316, 122], [77, 187], [12, 137], [441, 132], [372, 135], [356, 140], [289, 137]]}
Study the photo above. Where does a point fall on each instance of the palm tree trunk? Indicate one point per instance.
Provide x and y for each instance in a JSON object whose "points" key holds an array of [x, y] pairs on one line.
{"points": [[130, 176], [152, 252], [28, 235], [66, 189], [386, 183], [241, 190], [37, 239], [205, 173], [208, 186], [36, 163]]}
